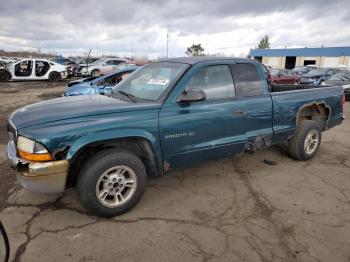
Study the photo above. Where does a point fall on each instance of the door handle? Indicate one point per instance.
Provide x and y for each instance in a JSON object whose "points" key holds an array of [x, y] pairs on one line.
{"points": [[238, 113]]}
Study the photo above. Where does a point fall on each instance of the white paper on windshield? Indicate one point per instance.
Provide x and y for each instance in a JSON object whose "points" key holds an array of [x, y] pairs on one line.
{"points": [[161, 82]]}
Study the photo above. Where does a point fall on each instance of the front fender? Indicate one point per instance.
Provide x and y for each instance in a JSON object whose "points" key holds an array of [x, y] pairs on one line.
{"points": [[111, 135]]}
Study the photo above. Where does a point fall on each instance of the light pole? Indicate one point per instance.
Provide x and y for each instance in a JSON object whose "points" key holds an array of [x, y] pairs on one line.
{"points": [[167, 41]]}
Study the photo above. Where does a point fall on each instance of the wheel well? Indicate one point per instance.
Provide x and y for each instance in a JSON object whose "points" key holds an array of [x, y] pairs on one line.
{"points": [[139, 146], [318, 112], [3, 71]]}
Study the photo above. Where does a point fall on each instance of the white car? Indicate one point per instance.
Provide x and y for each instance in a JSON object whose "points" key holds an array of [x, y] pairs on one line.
{"points": [[100, 67], [33, 69]]}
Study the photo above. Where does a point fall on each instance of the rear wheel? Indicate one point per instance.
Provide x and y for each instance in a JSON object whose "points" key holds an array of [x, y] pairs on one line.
{"points": [[4, 76], [306, 140], [54, 76], [111, 183]]}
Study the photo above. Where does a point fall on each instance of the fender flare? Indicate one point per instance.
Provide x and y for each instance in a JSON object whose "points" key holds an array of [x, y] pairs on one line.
{"points": [[113, 135]]}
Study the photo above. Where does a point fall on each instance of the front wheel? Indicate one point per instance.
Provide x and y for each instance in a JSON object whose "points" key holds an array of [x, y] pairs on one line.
{"points": [[4, 76], [111, 183], [306, 140]]}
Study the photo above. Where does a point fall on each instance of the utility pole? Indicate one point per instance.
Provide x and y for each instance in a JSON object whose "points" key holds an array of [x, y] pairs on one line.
{"points": [[167, 41]]}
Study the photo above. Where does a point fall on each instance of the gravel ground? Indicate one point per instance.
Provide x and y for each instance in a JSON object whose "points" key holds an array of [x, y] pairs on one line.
{"points": [[237, 209]]}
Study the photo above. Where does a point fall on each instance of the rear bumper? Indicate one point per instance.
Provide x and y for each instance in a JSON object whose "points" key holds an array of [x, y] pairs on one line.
{"points": [[39, 177]]}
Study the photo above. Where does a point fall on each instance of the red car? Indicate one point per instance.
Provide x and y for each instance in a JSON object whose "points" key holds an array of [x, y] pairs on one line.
{"points": [[284, 76]]}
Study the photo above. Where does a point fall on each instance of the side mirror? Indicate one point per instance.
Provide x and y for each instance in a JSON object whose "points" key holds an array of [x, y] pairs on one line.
{"points": [[191, 95]]}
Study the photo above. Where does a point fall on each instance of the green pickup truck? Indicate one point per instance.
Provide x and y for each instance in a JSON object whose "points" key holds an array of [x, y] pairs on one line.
{"points": [[167, 114]]}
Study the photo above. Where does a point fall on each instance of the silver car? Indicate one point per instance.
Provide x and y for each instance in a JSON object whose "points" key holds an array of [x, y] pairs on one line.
{"points": [[100, 67]]}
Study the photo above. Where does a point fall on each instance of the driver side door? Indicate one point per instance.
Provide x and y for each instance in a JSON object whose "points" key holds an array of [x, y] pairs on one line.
{"points": [[202, 130]]}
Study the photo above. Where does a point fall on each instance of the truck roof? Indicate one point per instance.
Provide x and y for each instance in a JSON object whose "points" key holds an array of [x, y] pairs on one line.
{"points": [[197, 59]]}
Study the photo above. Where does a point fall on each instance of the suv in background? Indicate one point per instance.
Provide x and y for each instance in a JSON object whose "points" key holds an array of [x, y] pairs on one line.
{"points": [[100, 67]]}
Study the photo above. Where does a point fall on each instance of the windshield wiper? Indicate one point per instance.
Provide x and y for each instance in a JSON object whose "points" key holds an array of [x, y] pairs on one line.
{"points": [[128, 95]]}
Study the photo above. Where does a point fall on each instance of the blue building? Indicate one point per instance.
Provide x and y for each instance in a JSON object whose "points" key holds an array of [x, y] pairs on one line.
{"points": [[291, 57]]}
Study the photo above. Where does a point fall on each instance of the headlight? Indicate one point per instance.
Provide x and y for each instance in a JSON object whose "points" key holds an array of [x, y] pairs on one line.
{"points": [[31, 150]]}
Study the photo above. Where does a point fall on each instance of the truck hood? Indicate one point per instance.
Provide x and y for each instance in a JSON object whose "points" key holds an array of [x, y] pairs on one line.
{"points": [[73, 107]]}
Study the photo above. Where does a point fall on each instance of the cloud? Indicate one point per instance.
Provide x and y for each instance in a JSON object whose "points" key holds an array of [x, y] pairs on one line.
{"points": [[226, 26]]}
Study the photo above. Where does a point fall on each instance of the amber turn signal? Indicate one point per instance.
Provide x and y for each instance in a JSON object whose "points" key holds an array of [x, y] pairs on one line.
{"points": [[35, 157]]}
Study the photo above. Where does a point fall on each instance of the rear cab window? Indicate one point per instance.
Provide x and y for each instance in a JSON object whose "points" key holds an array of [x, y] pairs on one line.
{"points": [[247, 80]]}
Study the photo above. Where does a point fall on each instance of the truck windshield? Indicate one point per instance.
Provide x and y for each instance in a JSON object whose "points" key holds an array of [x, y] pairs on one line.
{"points": [[150, 82]]}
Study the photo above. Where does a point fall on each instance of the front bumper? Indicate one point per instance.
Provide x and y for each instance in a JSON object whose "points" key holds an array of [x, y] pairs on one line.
{"points": [[39, 177]]}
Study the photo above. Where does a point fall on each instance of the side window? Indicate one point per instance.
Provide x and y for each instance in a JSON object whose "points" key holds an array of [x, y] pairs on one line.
{"points": [[110, 62], [216, 81], [41, 67], [247, 80]]}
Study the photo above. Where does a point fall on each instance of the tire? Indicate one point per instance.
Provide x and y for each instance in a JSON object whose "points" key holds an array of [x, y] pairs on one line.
{"points": [[98, 183], [95, 73], [310, 131], [54, 76], [4, 76]]}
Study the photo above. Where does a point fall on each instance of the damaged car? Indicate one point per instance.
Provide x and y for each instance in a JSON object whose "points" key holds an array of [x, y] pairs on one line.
{"points": [[101, 85], [166, 115], [318, 76], [33, 69]]}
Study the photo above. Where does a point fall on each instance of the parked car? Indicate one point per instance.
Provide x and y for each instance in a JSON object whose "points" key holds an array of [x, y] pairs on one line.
{"points": [[301, 70], [340, 79], [100, 67], [166, 115], [284, 76], [100, 85], [318, 76], [33, 69]]}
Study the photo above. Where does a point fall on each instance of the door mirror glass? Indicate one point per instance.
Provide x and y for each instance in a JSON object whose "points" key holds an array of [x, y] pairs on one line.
{"points": [[191, 95]]}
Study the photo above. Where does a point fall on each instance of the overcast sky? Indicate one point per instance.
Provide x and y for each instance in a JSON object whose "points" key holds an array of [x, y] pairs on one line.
{"points": [[229, 27]]}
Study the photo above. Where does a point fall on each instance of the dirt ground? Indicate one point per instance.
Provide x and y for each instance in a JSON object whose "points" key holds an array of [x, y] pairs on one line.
{"points": [[238, 209]]}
